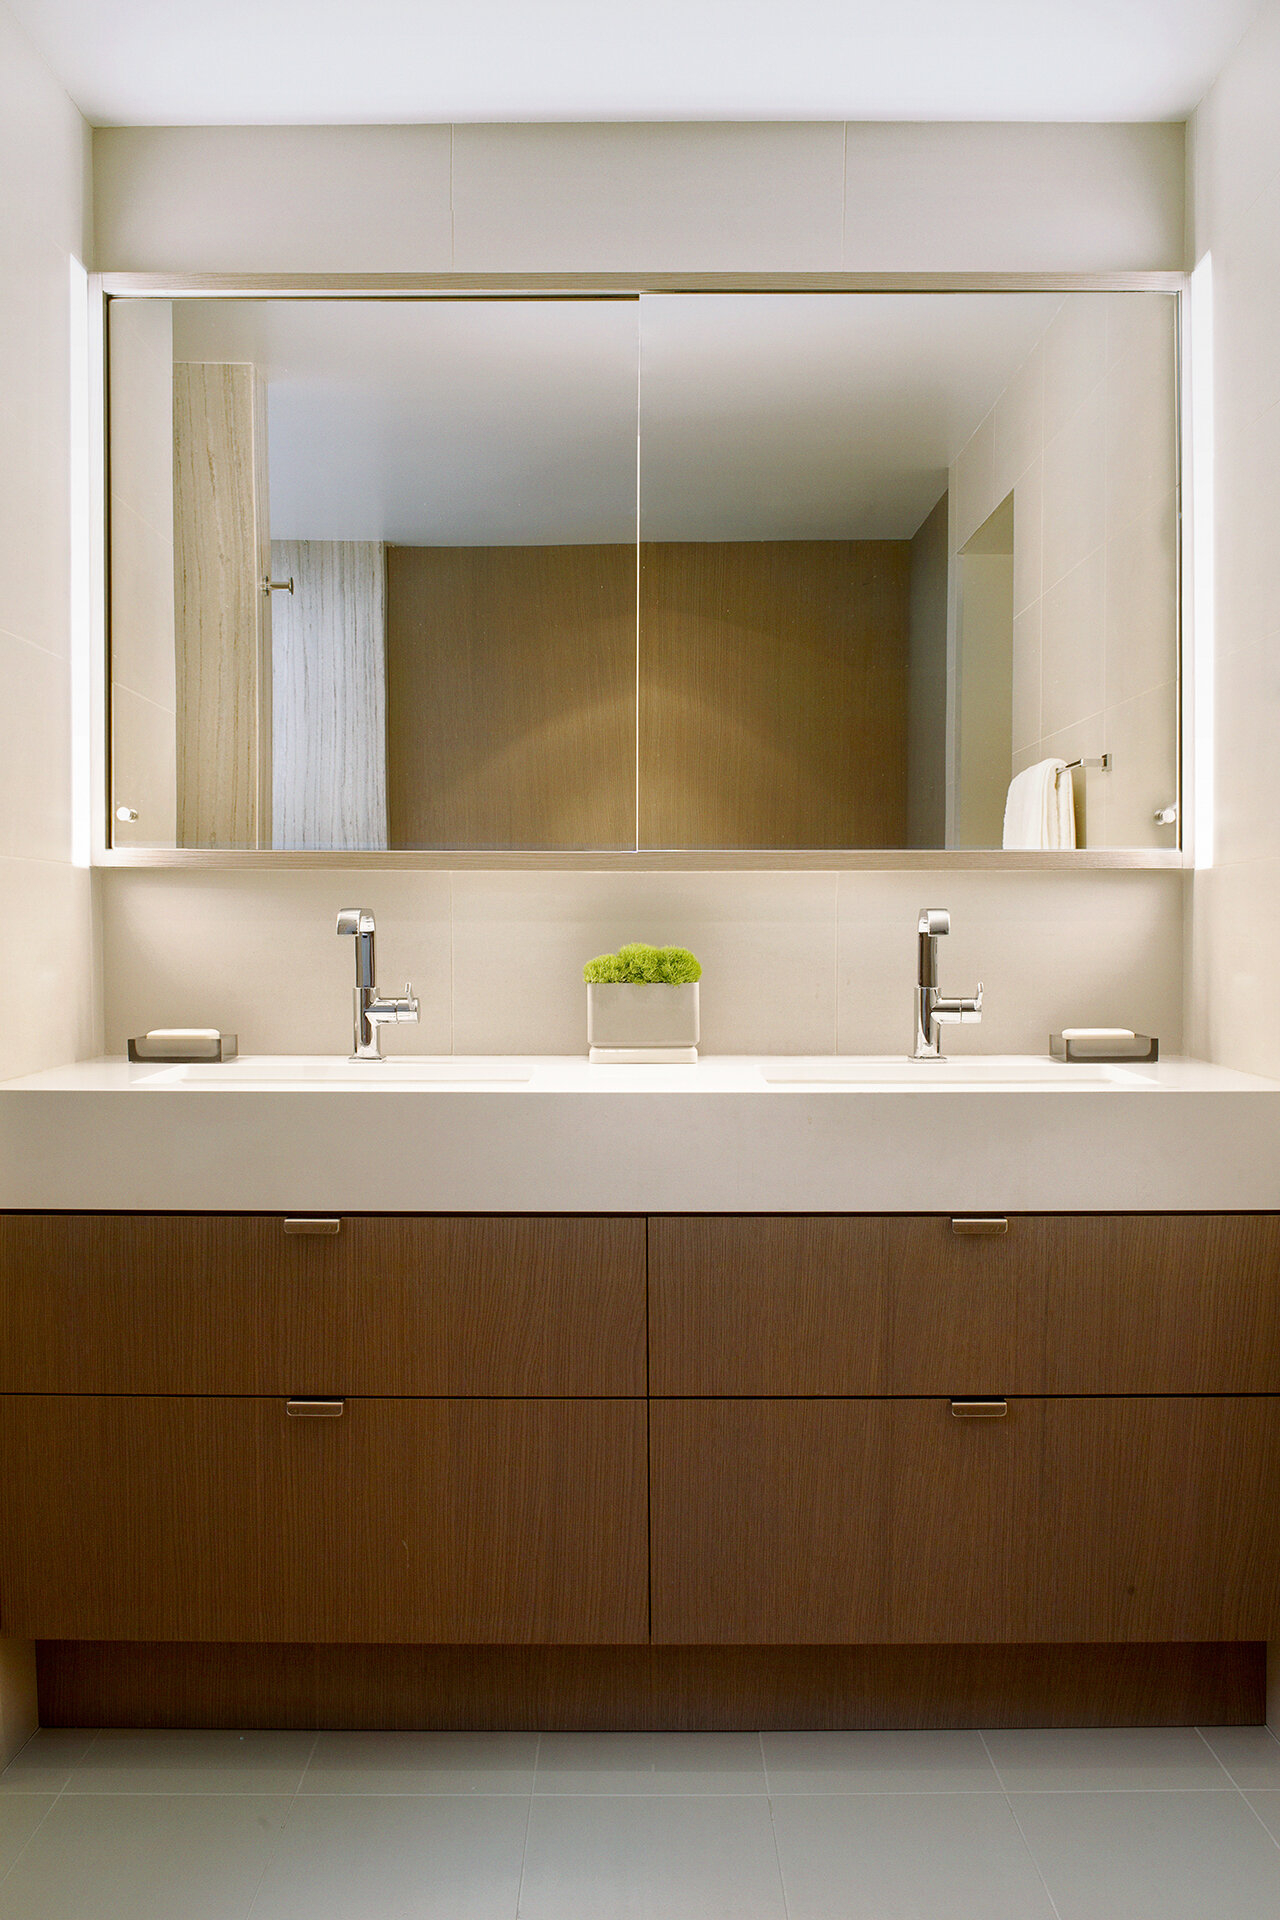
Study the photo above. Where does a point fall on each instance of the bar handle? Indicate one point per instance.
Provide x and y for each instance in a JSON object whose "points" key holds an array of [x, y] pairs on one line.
{"points": [[311, 1223], [986, 1224], [314, 1409], [979, 1409]]}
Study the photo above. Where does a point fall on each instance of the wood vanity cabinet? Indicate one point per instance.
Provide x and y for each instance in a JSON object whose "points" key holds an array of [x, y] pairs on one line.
{"points": [[692, 1432], [484, 1481], [204, 1518], [808, 1367]]}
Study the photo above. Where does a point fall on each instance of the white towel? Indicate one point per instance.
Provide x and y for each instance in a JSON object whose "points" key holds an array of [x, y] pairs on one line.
{"points": [[1041, 809]]}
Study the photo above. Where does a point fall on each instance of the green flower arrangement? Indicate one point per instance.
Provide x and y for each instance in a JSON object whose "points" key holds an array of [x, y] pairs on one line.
{"points": [[637, 965]]}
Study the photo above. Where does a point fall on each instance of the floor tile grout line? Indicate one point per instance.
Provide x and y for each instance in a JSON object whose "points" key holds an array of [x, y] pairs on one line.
{"points": [[40, 1823], [293, 1801], [1200, 1735], [773, 1826], [528, 1821], [1004, 1794]]}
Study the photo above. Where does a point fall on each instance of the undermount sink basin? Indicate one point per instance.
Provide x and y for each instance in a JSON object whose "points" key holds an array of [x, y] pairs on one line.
{"points": [[994, 1073], [292, 1071]]}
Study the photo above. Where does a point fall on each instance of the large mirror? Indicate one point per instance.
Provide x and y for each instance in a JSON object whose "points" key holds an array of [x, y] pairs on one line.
{"points": [[675, 572]]}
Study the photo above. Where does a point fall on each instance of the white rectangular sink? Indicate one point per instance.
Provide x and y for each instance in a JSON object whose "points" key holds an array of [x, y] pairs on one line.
{"points": [[290, 1072], [992, 1073]]}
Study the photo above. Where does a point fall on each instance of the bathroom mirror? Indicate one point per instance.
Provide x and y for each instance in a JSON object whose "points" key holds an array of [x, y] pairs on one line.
{"points": [[642, 573]]}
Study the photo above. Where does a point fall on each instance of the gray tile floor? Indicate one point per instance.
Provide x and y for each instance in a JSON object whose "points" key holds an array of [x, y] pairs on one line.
{"points": [[1121, 1824]]}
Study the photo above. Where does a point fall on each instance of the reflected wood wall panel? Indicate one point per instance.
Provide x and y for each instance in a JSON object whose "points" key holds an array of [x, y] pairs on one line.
{"points": [[773, 693], [511, 697], [328, 675], [221, 615]]}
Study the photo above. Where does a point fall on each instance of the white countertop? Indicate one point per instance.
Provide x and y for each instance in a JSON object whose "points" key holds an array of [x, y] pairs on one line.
{"points": [[554, 1134]]}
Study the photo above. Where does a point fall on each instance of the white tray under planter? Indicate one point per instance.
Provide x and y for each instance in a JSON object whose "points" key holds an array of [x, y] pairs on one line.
{"points": [[642, 1025]]}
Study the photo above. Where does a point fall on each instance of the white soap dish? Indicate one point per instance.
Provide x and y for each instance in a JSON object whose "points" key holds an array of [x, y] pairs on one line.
{"points": [[183, 1045], [1107, 1044]]}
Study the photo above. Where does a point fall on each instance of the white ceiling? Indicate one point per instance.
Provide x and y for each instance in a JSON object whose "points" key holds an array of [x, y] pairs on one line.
{"points": [[170, 62], [761, 416]]}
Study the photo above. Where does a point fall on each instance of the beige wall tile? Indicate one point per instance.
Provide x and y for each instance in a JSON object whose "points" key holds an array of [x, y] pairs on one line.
{"points": [[1019, 423], [766, 942], [256, 954], [144, 771], [1026, 677], [50, 986], [1088, 949], [35, 752], [1072, 681], [273, 199], [1074, 489], [985, 197], [973, 494], [1141, 433], [1028, 536], [1142, 604], [141, 407], [1140, 738], [715, 197], [143, 657], [1234, 937], [1247, 802], [1075, 357]]}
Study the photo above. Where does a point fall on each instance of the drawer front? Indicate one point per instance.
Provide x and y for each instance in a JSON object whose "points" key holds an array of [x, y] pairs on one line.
{"points": [[508, 1522], [893, 1521], [925, 1304], [203, 1303]]}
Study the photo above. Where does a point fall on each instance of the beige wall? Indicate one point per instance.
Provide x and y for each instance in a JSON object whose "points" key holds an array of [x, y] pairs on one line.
{"points": [[1083, 437], [1234, 1006], [794, 962], [764, 197], [48, 1003]]}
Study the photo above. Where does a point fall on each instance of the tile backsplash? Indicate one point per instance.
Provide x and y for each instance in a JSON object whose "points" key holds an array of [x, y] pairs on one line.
{"points": [[803, 962]]}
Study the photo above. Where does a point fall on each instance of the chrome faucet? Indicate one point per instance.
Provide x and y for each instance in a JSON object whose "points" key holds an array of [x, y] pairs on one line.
{"points": [[932, 1010], [372, 1013]]}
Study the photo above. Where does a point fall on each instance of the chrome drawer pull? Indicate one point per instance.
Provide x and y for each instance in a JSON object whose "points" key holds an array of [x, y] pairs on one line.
{"points": [[987, 1223], [314, 1409], [979, 1409], [312, 1224]]}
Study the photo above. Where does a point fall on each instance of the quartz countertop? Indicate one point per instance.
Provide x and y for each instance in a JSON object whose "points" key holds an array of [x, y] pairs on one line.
{"points": [[554, 1134]]}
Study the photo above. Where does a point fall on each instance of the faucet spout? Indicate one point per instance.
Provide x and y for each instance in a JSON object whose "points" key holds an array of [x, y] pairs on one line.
{"points": [[932, 1010], [371, 1013]]}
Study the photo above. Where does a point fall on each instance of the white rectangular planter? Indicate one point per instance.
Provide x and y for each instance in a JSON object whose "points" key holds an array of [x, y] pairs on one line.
{"points": [[635, 1025]]}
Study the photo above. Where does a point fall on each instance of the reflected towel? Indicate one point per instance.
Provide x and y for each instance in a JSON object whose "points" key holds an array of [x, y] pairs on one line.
{"points": [[1041, 808]]}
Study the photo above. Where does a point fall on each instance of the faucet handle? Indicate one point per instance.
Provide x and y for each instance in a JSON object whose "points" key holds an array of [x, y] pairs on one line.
{"points": [[355, 920], [962, 1012]]}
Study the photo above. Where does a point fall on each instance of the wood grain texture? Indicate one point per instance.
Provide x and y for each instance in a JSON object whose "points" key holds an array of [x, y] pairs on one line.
{"points": [[760, 1304], [139, 1684], [222, 618], [768, 1521], [1164, 1303], [1101, 1519], [848, 1304], [329, 688], [511, 696], [490, 1521], [205, 1303], [773, 693], [1158, 1519]]}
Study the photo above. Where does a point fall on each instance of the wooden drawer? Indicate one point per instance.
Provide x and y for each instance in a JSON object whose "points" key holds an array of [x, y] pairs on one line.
{"points": [[503, 1521], [892, 1521], [847, 1304], [204, 1303]]}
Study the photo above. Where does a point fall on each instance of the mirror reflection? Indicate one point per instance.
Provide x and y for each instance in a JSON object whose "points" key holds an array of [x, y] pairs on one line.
{"points": [[683, 571]]}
